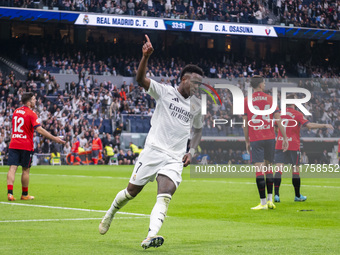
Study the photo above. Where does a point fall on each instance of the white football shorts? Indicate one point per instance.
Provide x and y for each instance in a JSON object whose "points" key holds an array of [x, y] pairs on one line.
{"points": [[153, 162]]}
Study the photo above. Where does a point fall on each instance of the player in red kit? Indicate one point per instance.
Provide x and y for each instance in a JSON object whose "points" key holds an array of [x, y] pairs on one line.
{"points": [[97, 147], [21, 147], [74, 151], [293, 120], [260, 140]]}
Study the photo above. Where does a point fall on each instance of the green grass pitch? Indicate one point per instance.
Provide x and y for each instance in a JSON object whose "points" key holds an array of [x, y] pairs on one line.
{"points": [[205, 216]]}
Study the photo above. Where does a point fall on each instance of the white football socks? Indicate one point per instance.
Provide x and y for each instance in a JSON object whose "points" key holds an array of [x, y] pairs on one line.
{"points": [[122, 198], [158, 213], [263, 201], [270, 197]]}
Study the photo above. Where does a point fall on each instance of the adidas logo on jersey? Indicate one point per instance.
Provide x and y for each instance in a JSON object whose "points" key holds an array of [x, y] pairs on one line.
{"points": [[176, 99]]}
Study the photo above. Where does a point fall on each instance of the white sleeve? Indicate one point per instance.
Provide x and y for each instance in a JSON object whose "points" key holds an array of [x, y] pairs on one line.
{"points": [[157, 90]]}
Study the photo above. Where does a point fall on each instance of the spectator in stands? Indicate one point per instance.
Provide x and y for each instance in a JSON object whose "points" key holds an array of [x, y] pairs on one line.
{"points": [[117, 142], [304, 158], [107, 139], [118, 130], [114, 72], [324, 159], [219, 156], [204, 157], [129, 158], [121, 158], [245, 157], [67, 149], [122, 94], [230, 157], [108, 152], [131, 8], [320, 133], [336, 132], [46, 147], [3, 147]]}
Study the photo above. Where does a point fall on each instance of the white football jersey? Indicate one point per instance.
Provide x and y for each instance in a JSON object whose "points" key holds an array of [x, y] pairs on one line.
{"points": [[172, 120]]}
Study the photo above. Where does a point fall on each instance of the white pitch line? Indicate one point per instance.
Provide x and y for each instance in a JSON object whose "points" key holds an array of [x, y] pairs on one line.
{"points": [[77, 219], [73, 209], [126, 178], [78, 176]]}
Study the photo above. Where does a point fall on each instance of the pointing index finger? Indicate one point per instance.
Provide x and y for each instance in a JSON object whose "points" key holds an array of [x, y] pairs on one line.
{"points": [[147, 38]]}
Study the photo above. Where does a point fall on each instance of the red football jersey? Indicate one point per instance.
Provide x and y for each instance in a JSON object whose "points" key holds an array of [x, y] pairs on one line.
{"points": [[24, 121], [293, 133], [97, 144], [75, 147], [261, 126]]}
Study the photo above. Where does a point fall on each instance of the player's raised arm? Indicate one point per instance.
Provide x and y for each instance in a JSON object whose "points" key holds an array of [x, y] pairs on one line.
{"points": [[48, 135], [141, 72]]}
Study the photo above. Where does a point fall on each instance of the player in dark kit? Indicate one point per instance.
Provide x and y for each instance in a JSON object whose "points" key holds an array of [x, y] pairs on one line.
{"points": [[21, 147], [294, 120], [260, 140]]}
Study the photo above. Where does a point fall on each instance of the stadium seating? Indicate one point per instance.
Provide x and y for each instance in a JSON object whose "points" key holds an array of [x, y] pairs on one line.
{"points": [[311, 11]]}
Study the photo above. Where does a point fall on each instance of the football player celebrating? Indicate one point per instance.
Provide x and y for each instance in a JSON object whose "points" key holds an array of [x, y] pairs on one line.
{"points": [[165, 148]]}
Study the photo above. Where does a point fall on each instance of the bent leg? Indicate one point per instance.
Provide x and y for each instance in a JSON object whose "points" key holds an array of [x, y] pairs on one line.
{"points": [[121, 199]]}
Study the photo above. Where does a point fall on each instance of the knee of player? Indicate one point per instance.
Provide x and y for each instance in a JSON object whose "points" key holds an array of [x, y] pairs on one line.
{"points": [[133, 190]]}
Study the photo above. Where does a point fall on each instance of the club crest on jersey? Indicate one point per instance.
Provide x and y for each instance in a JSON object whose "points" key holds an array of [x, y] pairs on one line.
{"points": [[175, 99]]}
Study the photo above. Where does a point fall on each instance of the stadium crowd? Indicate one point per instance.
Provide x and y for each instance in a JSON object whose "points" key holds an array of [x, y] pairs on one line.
{"points": [[85, 65], [76, 114], [301, 13], [103, 57], [315, 14]]}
